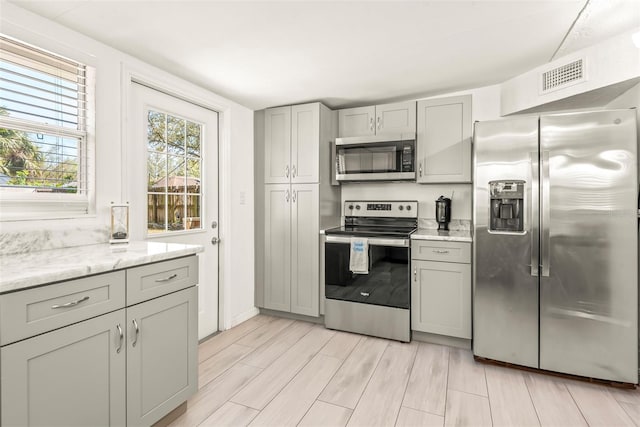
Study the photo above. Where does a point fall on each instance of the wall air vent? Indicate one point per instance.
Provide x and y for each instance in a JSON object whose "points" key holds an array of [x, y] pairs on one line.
{"points": [[563, 76]]}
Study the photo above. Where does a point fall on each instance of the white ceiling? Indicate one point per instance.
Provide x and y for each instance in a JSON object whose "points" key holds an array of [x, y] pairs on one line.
{"points": [[343, 53]]}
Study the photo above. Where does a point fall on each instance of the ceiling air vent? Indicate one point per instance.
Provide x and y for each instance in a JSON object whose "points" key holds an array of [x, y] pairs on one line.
{"points": [[563, 76]]}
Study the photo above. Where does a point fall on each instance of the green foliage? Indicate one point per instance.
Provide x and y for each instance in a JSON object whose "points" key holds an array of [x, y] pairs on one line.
{"points": [[27, 165]]}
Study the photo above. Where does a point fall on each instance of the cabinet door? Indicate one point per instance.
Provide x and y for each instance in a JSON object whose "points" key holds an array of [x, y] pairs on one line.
{"points": [[396, 118], [441, 298], [305, 257], [162, 355], [277, 254], [444, 140], [74, 376], [357, 121], [305, 143], [277, 145]]}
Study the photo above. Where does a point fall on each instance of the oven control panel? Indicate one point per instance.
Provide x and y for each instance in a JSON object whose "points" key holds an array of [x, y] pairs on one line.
{"points": [[391, 209]]}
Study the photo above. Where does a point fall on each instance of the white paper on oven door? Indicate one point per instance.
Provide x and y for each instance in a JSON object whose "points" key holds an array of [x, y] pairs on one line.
{"points": [[359, 256]]}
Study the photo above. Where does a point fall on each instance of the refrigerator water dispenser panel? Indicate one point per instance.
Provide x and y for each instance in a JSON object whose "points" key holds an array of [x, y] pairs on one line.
{"points": [[506, 206]]}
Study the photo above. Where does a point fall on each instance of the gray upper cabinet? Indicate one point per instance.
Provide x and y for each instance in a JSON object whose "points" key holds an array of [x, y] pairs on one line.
{"points": [[305, 143], [396, 118], [357, 121], [292, 144], [444, 140], [277, 153], [386, 119]]}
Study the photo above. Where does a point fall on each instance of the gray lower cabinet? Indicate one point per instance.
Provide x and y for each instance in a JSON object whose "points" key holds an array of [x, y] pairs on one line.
{"points": [[441, 290], [162, 346], [292, 248], [100, 360], [74, 376]]}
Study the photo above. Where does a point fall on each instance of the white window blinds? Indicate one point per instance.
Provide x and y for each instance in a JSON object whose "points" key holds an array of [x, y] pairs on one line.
{"points": [[43, 125]]}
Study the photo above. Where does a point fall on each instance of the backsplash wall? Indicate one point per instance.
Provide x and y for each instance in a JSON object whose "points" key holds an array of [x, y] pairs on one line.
{"points": [[425, 194]]}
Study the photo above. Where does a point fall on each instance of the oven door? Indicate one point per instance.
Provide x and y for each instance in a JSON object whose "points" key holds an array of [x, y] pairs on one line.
{"points": [[387, 283], [362, 159]]}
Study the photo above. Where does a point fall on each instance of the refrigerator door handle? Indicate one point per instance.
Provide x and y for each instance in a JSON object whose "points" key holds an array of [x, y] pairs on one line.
{"points": [[545, 220], [534, 212]]}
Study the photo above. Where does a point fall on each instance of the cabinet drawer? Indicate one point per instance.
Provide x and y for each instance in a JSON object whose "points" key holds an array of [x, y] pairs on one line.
{"points": [[34, 311], [437, 250], [154, 280]]}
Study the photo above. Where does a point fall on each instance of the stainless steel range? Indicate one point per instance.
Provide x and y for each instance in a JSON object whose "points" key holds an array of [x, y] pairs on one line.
{"points": [[370, 296]]}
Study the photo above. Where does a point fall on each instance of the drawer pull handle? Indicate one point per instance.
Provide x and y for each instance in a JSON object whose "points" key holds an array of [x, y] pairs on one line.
{"points": [[440, 252], [121, 338], [70, 304], [364, 294], [166, 279], [135, 325]]}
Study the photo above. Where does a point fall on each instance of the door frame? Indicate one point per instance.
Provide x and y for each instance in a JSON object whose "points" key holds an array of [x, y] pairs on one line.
{"points": [[178, 88]]}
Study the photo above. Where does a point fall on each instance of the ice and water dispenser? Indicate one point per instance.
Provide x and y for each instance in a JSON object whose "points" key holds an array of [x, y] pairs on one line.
{"points": [[506, 206]]}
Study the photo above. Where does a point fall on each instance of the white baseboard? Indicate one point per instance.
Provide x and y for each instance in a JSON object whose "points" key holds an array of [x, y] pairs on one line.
{"points": [[236, 320]]}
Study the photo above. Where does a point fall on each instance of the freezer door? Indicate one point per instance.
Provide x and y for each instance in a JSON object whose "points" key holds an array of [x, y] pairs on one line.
{"points": [[505, 290], [589, 249]]}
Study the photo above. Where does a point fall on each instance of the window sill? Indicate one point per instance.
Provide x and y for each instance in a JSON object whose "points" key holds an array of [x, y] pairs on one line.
{"points": [[175, 233]]}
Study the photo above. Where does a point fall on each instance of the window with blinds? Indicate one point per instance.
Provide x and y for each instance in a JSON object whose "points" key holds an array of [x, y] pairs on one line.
{"points": [[43, 121]]}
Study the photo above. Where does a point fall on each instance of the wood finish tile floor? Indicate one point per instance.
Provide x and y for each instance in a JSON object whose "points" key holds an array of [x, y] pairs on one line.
{"points": [[280, 372]]}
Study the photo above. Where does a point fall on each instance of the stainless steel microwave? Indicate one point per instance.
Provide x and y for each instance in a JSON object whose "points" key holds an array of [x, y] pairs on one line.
{"points": [[376, 158]]}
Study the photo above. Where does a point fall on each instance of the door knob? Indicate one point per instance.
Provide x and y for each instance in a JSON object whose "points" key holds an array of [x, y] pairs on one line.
{"points": [[214, 240]]}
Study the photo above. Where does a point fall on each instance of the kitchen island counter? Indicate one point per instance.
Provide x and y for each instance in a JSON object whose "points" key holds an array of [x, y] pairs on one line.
{"points": [[26, 270], [448, 236]]}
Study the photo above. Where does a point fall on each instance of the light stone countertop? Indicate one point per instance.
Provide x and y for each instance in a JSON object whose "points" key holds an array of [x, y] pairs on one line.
{"points": [[450, 236], [25, 270]]}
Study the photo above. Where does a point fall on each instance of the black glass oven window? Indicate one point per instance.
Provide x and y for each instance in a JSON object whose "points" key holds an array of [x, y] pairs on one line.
{"points": [[386, 284]]}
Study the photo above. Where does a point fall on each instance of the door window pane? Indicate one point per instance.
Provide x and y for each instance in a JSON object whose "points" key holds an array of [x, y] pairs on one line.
{"points": [[174, 173]]}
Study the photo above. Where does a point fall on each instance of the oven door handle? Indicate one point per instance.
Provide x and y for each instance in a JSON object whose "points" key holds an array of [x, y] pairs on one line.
{"points": [[373, 241]]}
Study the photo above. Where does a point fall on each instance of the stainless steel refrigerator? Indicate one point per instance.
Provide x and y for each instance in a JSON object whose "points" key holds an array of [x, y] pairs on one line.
{"points": [[555, 243]]}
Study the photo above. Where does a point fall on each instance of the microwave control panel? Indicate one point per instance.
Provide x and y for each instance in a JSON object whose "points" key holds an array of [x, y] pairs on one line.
{"points": [[407, 158]]}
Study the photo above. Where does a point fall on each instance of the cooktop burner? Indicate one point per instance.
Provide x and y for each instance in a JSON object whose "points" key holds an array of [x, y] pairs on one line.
{"points": [[397, 219], [372, 231]]}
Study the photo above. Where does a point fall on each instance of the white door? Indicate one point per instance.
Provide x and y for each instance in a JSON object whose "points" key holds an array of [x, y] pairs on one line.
{"points": [[172, 179]]}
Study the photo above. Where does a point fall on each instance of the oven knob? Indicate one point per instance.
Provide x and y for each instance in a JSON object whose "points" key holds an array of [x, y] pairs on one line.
{"points": [[400, 207], [358, 207], [408, 207], [350, 207]]}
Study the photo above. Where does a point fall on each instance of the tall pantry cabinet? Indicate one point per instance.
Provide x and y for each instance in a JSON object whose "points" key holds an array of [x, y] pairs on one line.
{"points": [[298, 202]]}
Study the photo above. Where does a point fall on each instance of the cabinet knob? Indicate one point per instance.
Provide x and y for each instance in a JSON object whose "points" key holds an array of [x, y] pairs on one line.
{"points": [[214, 240]]}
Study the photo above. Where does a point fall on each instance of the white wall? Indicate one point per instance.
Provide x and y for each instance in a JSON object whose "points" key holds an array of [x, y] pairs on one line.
{"points": [[612, 61], [485, 105], [236, 151]]}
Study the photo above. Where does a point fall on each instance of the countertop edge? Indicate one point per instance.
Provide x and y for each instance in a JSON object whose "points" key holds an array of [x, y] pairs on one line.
{"points": [[119, 259], [454, 236]]}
